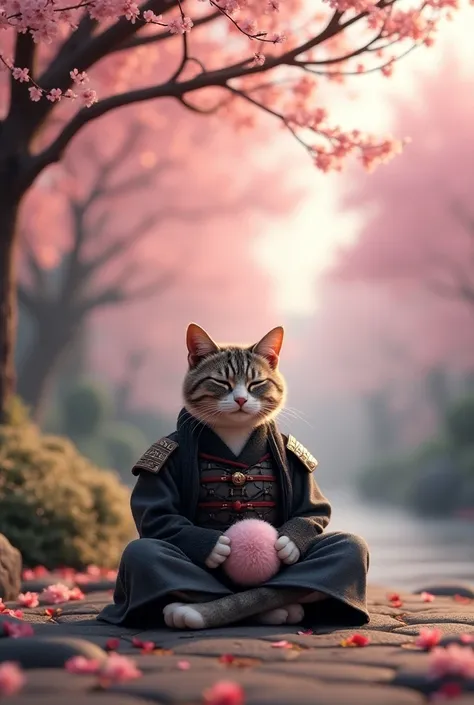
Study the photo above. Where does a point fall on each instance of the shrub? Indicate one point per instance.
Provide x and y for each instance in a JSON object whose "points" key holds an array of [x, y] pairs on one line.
{"points": [[86, 407], [125, 444], [55, 506], [460, 422]]}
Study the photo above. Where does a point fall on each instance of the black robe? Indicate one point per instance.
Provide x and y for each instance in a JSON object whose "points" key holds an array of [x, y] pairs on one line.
{"points": [[169, 557]]}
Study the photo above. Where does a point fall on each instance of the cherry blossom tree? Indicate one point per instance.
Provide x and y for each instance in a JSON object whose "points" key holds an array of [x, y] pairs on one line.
{"points": [[108, 243], [418, 240], [244, 54]]}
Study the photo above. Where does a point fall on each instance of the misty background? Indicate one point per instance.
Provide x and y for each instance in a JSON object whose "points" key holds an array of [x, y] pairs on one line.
{"points": [[135, 235]]}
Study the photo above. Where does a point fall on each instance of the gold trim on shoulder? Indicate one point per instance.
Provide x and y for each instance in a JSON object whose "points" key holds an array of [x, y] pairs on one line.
{"points": [[156, 456], [302, 453]]}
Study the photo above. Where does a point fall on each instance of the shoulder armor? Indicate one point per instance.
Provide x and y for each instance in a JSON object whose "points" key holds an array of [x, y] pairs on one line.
{"points": [[302, 453], [156, 456]]}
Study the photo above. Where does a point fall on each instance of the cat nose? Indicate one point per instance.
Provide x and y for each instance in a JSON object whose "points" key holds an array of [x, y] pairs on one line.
{"points": [[240, 400]]}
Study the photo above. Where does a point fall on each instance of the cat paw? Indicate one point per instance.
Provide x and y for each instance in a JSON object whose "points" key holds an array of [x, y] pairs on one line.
{"points": [[291, 614], [295, 614], [179, 615], [273, 617]]}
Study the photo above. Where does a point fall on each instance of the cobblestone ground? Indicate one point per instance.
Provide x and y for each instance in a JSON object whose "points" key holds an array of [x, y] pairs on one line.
{"points": [[273, 665]]}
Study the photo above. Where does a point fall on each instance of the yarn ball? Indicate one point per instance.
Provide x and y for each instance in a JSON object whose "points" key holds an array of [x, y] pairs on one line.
{"points": [[253, 559]]}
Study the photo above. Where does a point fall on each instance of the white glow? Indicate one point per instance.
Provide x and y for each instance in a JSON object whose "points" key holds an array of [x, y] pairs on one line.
{"points": [[301, 247]]}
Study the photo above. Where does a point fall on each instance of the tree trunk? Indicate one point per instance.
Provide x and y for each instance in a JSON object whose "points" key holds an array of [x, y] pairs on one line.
{"points": [[8, 299], [50, 343]]}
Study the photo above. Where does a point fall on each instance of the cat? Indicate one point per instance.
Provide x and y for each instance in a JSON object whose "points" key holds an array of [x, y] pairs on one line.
{"points": [[233, 388]]}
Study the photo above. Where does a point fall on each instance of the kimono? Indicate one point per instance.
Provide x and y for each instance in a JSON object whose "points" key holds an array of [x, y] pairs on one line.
{"points": [[191, 488]]}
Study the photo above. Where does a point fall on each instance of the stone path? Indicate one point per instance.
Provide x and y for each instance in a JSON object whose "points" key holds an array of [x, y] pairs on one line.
{"points": [[273, 665]]}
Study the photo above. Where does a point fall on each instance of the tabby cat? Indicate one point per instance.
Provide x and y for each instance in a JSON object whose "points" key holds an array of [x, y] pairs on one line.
{"points": [[233, 388]]}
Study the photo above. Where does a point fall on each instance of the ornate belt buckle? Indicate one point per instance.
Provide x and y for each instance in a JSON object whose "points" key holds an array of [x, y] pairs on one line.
{"points": [[238, 478]]}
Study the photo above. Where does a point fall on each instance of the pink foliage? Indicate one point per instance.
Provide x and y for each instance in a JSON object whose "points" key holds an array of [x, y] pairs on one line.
{"points": [[12, 678], [393, 306], [224, 693], [454, 660], [246, 39]]}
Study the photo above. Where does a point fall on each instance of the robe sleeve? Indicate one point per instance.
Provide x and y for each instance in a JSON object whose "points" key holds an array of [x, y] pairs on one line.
{"points": [[311, 511], [156, 507]]}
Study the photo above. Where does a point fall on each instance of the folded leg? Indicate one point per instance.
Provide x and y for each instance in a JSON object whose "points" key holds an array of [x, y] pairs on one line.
{"points": [[152, 573]]}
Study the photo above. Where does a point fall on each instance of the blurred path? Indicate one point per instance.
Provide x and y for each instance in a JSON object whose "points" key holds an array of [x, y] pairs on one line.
{"points": [[405, 550]]}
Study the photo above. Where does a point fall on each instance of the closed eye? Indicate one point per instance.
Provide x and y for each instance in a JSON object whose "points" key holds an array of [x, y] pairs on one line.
{"points": [[222, 383], [258, 383]]}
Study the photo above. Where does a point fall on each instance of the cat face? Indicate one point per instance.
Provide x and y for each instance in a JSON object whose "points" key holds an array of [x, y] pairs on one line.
{"points": [[231, 386]]}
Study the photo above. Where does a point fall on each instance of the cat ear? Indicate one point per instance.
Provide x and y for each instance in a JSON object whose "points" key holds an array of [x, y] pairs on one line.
{"points": [[199, 344], [270, 345]]}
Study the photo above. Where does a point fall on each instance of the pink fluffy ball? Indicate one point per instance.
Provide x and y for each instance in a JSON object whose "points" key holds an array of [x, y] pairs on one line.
{"points": [[253, 559]]}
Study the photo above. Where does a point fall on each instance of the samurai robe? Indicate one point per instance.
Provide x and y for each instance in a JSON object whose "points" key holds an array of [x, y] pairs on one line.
{"points": [[191, 488]]}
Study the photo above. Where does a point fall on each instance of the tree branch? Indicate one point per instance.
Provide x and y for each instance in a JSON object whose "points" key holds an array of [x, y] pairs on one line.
{"points": [[117, 293], [160, 36], [24, 58]]}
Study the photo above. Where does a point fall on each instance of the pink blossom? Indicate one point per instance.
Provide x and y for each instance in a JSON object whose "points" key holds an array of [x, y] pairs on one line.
{"points": [[145, 646], [21, 75], [12, 678], [427, 597], [258, 59], [82, 578], [81, 664], [132, 11], [180, 25], [273, 6], [28, 599], [454, 660], [149, 16], [18, 614], [249, 27], [89, 97], [93, 570], [56, 593], [183, 665], [224, 693], [3, 607], [35, 93], [76, 594], [387, 70], [278, 38], [79, 77], [55, 95], [281, 644], [429, 638], [16, 631], [119, 668]]}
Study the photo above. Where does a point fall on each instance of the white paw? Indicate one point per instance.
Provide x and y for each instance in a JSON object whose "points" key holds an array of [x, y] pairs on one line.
{"points": [[295, 614], [291, 614], [273, 617], [179, 615]]}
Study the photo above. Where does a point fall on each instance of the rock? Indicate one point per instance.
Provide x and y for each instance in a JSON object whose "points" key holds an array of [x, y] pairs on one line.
{"points": [[10, 570], [47, 652], [448, 589]]}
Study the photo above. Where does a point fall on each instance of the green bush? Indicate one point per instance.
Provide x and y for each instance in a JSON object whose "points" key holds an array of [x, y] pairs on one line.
{"points": [[460, 422], [55, 506], [125, 444], [86, 407]]}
